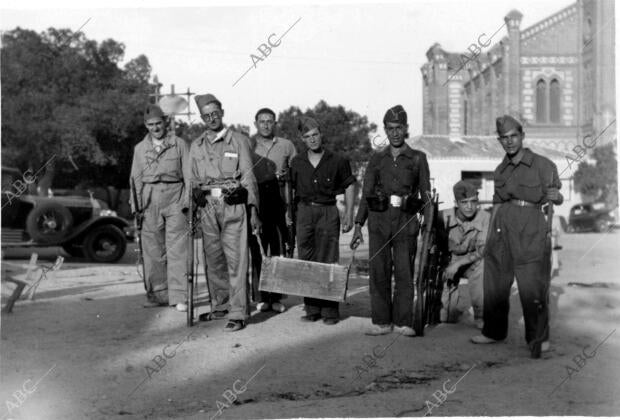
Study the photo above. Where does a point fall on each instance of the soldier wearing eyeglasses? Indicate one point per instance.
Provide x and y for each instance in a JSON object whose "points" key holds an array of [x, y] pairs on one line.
{"points": [[517, 243], [223, 185], [397, 180]]}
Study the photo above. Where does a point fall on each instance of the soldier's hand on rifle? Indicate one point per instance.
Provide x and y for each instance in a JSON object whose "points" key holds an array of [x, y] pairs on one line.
{"points": [[288, 217], [450, 271], [357, 238], [255, 221], [553, 195]]}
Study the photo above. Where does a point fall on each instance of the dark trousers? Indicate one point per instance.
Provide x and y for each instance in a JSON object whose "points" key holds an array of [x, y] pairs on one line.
{"points": [[273, 232], [318, 229], [517, 247], [392, 247]]}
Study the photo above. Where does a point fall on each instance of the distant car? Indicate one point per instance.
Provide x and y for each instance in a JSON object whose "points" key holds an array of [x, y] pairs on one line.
{"points": [[82, 226], [590, 217]]}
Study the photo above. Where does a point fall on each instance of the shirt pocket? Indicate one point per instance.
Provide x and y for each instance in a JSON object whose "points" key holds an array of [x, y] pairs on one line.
{"points": [[529, 188], [408, 177], [230, 163]]}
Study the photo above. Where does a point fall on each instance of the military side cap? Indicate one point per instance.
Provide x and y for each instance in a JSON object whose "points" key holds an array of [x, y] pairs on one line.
{"points": [[463, 190], [396, 114], [306, 124], [204, 100], [506, 123], [153, 111]]}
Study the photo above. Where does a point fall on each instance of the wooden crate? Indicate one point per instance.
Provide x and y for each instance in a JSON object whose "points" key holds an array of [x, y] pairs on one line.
{"points": [[304, 278]]}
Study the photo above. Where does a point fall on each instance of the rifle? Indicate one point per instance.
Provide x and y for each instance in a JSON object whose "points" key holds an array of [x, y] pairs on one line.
{"points": [[290, 206], [542, 322], [429, 283], [138, 220], [190, 262]]}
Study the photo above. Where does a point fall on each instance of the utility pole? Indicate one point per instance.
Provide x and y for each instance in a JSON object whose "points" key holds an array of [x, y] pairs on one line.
{"points": [[172, 104]]}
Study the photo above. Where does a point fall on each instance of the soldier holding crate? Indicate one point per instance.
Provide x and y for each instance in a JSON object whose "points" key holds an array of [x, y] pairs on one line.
{"points": [[396, 182], [223, 184], [318, 175]]}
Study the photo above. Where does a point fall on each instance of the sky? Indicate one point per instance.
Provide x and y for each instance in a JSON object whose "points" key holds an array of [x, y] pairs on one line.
{"points": [[365, 56]]}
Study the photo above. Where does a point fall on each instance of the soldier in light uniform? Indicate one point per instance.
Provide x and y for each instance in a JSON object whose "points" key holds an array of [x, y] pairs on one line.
{"points": [[518, 243], [466, 228], [223, 184], [160, 171]]}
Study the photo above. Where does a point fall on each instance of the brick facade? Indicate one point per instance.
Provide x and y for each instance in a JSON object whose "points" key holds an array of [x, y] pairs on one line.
{"points": [[557, 76]]}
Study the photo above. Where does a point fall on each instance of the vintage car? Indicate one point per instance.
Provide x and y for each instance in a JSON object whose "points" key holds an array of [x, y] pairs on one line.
{"points": [[82, 226], [590, 216]]}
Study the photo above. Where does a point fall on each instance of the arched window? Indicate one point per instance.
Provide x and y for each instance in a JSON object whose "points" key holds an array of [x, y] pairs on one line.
{"points": [[554, 101], [541, 101]]}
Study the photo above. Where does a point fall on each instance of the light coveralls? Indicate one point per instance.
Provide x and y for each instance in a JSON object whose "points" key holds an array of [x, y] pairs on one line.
{"points": [[161, 175], [222, 161]]}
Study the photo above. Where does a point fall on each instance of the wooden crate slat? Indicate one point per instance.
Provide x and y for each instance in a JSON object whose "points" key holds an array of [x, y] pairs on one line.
{"points": [[304, 278]]}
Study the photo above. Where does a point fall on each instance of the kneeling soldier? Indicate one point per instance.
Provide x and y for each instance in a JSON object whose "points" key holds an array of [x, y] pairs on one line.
{"points": [[467, 228]]}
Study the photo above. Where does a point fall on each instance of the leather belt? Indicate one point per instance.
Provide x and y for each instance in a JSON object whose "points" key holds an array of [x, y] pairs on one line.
{"points": [[164, 182], [315, 204], [523, 203]]}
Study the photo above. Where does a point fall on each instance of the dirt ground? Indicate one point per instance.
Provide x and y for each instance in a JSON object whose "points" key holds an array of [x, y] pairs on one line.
{"points": [[86, 349]]}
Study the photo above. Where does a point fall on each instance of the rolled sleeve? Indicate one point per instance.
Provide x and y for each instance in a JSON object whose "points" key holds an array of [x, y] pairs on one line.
{"points": [[345, 176]]}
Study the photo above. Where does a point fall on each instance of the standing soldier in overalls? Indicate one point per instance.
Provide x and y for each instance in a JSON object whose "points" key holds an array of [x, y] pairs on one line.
{"points": [[159, 173], [397, 180], [517, 243], [223, 184]]}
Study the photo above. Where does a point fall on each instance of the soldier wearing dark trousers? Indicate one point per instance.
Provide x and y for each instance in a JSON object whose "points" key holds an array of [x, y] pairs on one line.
{"points": [[318, 175], [271, 158], [517, 243], [395, 179], [160, 173]]}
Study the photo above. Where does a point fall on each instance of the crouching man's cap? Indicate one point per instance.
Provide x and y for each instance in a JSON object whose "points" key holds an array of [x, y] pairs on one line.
{"points": [[463, 190]]}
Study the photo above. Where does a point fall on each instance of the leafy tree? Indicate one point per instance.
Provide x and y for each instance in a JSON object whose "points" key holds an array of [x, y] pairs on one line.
{"points": [[344, 131], [67, 101], [599, 180]]}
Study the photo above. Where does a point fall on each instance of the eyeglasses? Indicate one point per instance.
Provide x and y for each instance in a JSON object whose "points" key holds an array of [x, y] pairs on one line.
{"points": [[212, 116]]}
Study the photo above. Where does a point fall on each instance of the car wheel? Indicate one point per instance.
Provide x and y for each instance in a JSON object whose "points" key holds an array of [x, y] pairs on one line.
{"points": [[49, 223], [570, 229], [74, 250], [105, 244], [600, 225]]}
